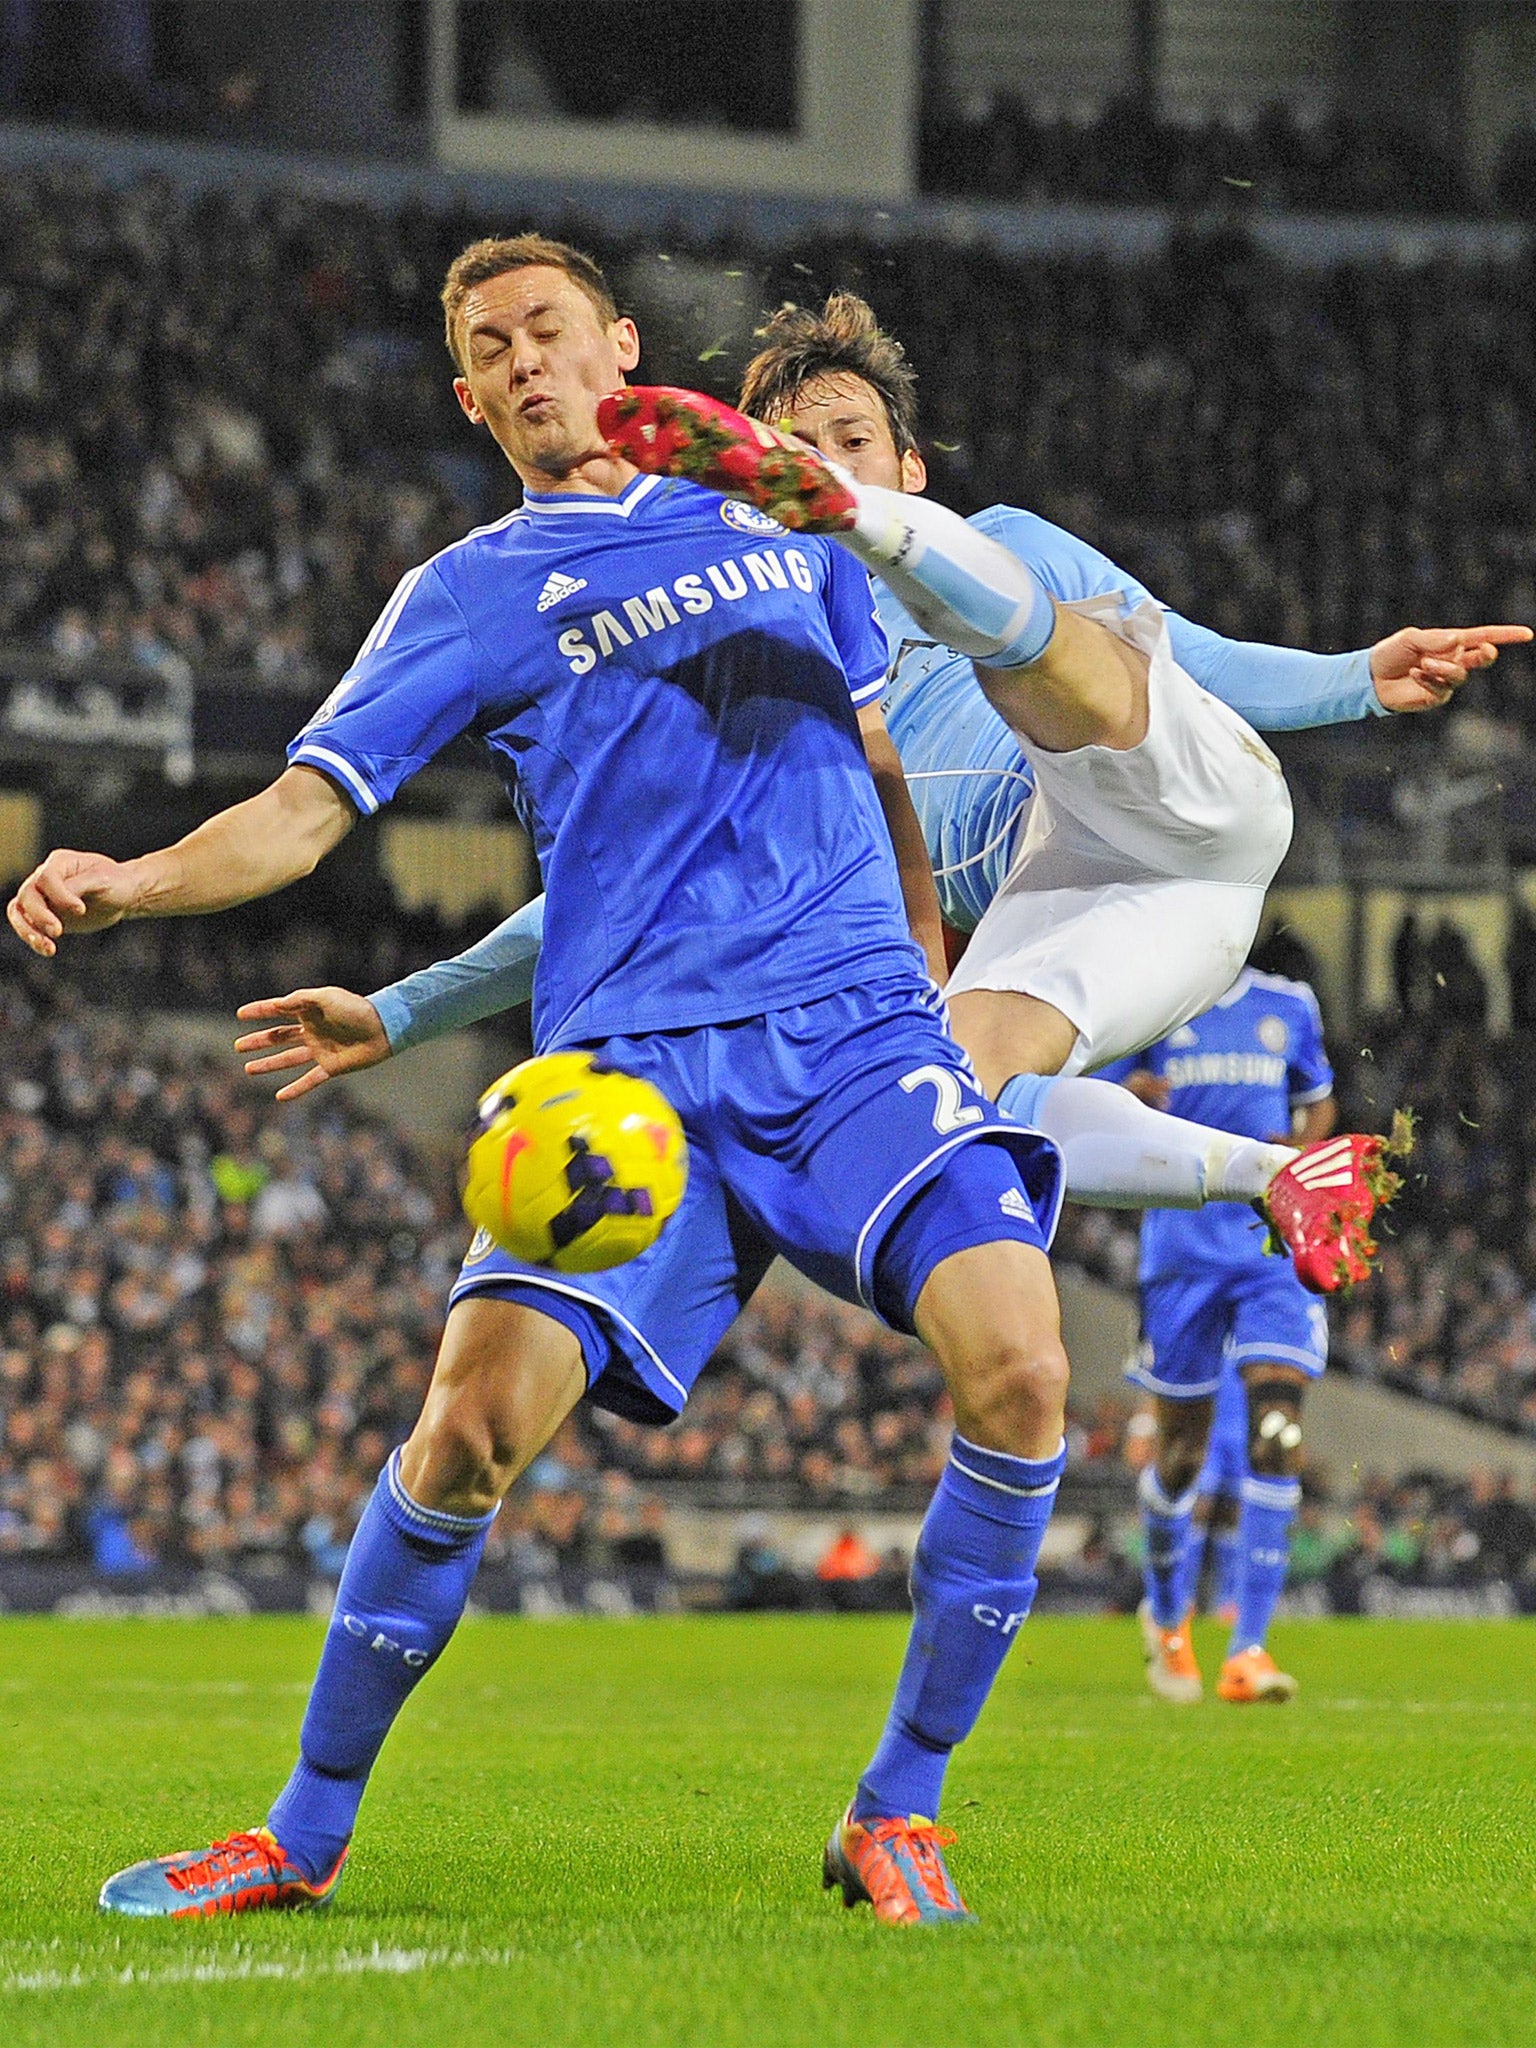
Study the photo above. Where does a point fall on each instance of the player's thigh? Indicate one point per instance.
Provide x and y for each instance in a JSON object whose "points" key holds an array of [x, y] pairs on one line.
{"points": [[989, 1313], [863, 1146], [1185, 1325], [505, 1379], [1125, 962], [1201, 797], [644, 1330]]}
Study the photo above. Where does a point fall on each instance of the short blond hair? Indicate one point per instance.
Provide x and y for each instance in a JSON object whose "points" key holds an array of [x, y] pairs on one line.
{"points": [[495, 255]]}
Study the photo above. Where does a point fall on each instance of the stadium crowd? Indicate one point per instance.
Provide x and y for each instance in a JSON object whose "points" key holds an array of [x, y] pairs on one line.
{"points": [[225, 424], [217, 1317], [995, 146]]}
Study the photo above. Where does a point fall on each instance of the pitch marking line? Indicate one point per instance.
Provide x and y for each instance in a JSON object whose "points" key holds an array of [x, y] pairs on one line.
{"points": [[375, 1961]]}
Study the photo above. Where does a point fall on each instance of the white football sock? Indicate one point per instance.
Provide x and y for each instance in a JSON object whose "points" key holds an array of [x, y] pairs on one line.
{"points": [[962, 586], [1119, 1154]]}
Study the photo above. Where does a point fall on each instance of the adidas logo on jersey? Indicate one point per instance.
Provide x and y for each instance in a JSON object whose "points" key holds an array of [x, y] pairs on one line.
{"points": [[1013, 1203], [1330, 1166], [558, 588]]}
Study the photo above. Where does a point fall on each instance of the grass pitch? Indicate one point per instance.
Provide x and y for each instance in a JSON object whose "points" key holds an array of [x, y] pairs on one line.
{"points": [[590, 1832]]}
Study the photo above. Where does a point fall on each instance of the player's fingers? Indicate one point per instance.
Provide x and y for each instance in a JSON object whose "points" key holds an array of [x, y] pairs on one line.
{"points": [[293, 1005], [279, 1034], [27, 932], [280, 1062], [304, 1084]]}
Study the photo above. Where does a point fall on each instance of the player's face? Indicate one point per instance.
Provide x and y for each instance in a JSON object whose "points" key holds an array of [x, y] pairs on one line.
{"points": [[539, 358], [845, 419]]}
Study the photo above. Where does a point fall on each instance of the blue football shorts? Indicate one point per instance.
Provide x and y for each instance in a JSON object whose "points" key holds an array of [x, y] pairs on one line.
{"points": [[1193, 1323], [847, 1133], [1226, 1454]]}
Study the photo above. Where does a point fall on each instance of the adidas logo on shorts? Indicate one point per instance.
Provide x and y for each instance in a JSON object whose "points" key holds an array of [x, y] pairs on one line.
{"points": [[1331, 1166], [1013, 1203], [558, 588]]}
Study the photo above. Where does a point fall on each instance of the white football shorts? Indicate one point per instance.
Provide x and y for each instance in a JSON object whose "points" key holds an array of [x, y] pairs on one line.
{"points": [[1137, 888]]}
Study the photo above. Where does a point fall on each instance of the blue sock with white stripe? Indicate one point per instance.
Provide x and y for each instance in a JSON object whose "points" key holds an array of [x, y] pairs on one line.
{"points": [[1186, 1578], [1168, 1526], [1269, 1508], [403, 1588], [1227, 1550], [973, 1581]]}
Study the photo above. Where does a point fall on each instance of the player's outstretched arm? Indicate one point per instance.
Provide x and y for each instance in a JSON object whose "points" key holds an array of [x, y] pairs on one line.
{"points": [[249, 850], [331, 1031]]}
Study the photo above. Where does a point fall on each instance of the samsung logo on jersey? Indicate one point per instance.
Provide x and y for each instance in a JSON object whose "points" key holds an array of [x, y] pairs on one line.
{"points": [[653, 611], [1203, 1069]]}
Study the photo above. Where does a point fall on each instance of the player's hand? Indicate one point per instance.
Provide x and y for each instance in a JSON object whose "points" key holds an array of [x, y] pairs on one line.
{"points": [[69, 893], [1423, 667], [328, 1030]]}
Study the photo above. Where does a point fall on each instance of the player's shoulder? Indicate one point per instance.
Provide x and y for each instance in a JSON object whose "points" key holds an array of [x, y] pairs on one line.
{"points": [[1071, 567], [1281, 988]]}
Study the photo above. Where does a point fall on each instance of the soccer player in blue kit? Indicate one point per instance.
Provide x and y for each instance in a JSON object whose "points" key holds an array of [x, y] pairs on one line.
{"points": [[1108, 906], [1214, 1305], [669, 683]]}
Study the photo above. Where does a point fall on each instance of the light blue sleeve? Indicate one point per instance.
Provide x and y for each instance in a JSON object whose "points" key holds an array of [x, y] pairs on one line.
{"points": [[1275, 688], [494, 974]]}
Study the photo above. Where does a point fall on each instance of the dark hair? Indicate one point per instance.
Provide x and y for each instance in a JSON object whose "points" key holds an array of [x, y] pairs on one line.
{"points": [[843, 340], [497, 254]]}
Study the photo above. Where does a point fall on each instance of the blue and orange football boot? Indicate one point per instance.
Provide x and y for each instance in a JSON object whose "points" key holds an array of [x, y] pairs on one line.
{"points": [[248, 1873], [895, 1866]]}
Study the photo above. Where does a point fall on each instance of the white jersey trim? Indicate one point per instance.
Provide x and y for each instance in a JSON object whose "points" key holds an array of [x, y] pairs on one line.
{"points": [[342, 770], [614, 508], [481, 1282]]}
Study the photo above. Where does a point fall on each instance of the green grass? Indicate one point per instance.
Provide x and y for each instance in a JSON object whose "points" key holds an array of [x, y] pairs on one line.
{"points": [[610, 1833]]}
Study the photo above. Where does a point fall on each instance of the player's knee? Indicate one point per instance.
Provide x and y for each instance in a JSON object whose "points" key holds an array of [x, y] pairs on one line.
{"points": [[1016, 1388], [1274, 1428], [1178, 1466], [468, 1456]]}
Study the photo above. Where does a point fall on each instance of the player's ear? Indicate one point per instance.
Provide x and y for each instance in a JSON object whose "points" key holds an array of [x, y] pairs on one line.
{"points": [[914, 473], [466, 398], [625, 336]]}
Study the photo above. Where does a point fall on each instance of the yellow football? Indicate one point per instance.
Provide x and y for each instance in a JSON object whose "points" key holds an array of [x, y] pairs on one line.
{"points": [[574, 1164]]}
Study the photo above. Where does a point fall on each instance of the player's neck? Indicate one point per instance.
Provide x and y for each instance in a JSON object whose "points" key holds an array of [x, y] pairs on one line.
{"points": [[602, 475]]}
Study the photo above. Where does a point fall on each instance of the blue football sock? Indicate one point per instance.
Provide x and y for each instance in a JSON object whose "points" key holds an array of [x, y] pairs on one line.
{"points": [[1227, 1550], [1269, 1508], [403, 1588], [1186, 1578], [1166, 1525], [973, 1579]]}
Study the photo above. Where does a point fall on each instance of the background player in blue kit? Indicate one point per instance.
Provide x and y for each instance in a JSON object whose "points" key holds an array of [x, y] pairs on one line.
{"points": [[1215, 1537], [1212, 1301], [670, 685]]}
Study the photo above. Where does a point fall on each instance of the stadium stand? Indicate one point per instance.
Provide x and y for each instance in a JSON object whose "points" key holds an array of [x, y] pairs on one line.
{"points": [[226, 429]]}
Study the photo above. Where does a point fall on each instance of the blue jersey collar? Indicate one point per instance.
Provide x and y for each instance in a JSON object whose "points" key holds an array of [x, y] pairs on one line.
{"points": [[567, 502]]}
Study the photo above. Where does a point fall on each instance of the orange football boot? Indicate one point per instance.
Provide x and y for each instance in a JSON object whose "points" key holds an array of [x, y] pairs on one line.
{"points": [[1172, 1671], [670, 432], [1252, 1678], [895, 1866]]}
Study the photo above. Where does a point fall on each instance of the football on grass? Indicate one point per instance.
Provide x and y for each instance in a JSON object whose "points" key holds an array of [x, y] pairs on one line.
{"points": [[573, 1164]]}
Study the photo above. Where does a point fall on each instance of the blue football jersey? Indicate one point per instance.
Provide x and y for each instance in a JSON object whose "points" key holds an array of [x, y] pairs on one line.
{"points": [[967, 772], [1243, 1066], [667, 681]]}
